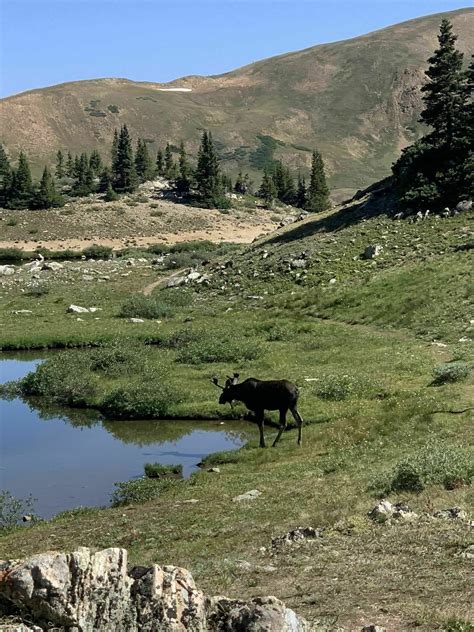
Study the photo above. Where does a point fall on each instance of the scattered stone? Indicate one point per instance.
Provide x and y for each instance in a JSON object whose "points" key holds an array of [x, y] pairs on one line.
{"points": [[372, 251], [250, 495], [77, 309], [298, 263], [297, 536], [332, 281], [176, 281], [193, 276], [136, 320], [467, 553], [384, 511], [87, 277], [90, 591], [7, 270], [53, 266], [214, 470], [452, 513]]}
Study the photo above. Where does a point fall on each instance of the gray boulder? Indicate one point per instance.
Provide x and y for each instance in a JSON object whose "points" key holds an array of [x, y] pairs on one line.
{"points": [[464, 205], [7, 270]]}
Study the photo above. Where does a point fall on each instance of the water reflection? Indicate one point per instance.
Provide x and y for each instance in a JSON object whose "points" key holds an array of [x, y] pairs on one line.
{"points": [[67, 458]]}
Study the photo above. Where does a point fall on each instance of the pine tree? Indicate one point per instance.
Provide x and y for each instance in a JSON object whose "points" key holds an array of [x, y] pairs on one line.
{"points": [[60, 171], [5, 177], [169, 167], [47, 196], [317, 197], [242, 184], [143, 162], [95, 162], [125, 175], [110, 195], [105, 180], [268, 191], [84, 176], [20, 191], [114, 152], [69, 170], [160, 165], [208, 175], [184, 180], [4, 162], [300, 200], [446, 93]]}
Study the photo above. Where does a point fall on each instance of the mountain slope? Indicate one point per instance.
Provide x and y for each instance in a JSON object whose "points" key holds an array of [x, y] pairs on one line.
{"points": [[357, 100]]}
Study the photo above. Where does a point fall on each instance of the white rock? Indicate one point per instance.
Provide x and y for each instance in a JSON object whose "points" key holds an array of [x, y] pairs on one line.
{"points": [[77, 309], [250, 495], [136, 320], [7, 270]]}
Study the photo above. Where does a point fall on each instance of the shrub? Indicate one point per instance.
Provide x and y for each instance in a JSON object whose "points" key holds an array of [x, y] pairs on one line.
{"points": [[182, 260], [156, 213], [140, 490], [339, 387], [434, 464], [451, 372], [157, 470], [12, 222], [118, 357], [97, 251], [64, 378], [219, 347], [141, 306], [13, 509], [11, 254], [38, 291], [180, 338], [143, 399]]}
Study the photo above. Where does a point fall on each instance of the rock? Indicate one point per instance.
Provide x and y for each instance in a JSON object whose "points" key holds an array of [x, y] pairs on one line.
{"points": [[176, 281], [332, 281], [27, 518], [22, 311], [89, 591], [298, 263], [214, 470], [52, 265], [136, 320], [464, 205], [250, 495], [384, 511], [467, 553], [193, 276], [452, 513], [76, 309], [373, 628], [87, 277], [7, 270], [372, 251], [298, 535], [95, 309]]}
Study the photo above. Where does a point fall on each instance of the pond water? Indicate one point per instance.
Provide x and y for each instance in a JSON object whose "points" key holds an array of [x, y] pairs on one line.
{"points": [[68, 458]]}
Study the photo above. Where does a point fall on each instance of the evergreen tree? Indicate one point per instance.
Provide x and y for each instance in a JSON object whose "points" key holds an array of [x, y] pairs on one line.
{"points": [[47, 196], [284, 183], [160, 165], [125, 175], [267, 191], [170, 171], [84, 176], [95, 162], [317, 196], [110, 195], [5, 177], [105, 180], [242, 184], [184, 180], [143, 162], [69, 169], [300, 199], [5, 167], [60, 170], [114, 152], [20, 191], [208, 175], [76, 170], [446, 93]]}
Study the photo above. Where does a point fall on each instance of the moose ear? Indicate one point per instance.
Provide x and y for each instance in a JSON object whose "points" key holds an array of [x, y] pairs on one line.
{"points": [[235, 378], [236, 375]]}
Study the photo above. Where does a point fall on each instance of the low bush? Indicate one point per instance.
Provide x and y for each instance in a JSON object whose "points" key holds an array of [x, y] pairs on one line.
{"points": [[180, 338], [434, 464], [339, 387], [213, 346], [157, 470], [141, 306], [118, 357], [11, 254], [97, 251], [140, 490], [451, 372], [12, 222], [147, 398], [38, 291]]}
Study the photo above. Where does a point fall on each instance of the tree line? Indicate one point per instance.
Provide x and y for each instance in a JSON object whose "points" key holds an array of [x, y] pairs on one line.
{"points": [[204, 183], [438, 170]]}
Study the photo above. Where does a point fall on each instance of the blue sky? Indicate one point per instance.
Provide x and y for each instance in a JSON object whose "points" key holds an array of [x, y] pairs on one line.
{"points": [[52, 41]]}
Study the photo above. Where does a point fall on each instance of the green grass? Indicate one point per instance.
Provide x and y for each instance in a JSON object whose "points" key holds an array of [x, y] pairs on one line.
{"points": [[157, 470]]}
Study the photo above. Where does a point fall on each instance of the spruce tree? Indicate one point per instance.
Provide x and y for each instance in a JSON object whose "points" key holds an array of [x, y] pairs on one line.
{"points": [[4, 162], [160, 164], [317, 197], [20, 191], [60, 170], [184, 180], [84, 176], [110, 195], [143, 162], [125, 175], [300, 200], [105, 180], [169, 166], [446, 93], [208, 175], [47, 196], [95, 162], [69, 169], [5, 177], [268, 191]]}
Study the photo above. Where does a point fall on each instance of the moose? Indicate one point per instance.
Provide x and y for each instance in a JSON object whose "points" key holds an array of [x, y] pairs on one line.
{"points": [[261, 395]]}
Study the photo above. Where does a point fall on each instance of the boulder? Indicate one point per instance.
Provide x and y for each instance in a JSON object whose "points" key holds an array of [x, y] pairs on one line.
{"points": [[464, 205], [384, 511], [7, 270], [296, 536], [452, 513], [298, 263], [250, 495], [77, 309], [372, 251], [136, 320], [176, 281], [89, 591], [52, 265]]}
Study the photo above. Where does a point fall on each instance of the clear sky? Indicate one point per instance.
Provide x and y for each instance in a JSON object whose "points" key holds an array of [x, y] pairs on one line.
{"points": [[44, 42]]}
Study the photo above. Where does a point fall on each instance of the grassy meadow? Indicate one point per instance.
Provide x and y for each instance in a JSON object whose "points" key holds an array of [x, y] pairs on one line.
{"points": [[381, 402]]}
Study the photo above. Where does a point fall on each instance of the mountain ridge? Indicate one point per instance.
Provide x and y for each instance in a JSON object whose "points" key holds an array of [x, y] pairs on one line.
{"points": [[357, 100]]}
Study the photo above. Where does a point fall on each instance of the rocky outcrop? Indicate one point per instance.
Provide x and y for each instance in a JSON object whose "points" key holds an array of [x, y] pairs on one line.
{"points": [[85, 592]]}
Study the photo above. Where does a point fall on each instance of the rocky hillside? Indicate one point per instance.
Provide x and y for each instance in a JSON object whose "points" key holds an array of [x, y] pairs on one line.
{"points": [[357, 100]]}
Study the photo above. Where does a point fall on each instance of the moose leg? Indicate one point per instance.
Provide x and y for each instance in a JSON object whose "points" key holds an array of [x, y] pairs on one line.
{"points": [[282, 426], [299, 420], [260, 414]]}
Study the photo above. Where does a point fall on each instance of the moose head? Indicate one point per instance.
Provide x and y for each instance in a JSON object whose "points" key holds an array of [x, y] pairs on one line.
{"points": [[227, 395]]}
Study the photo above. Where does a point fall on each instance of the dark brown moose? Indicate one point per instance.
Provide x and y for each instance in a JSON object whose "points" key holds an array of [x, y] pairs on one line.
{"points": [[262, 395]]}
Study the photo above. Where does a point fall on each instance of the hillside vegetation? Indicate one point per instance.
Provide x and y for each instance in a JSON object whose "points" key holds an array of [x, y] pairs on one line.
{"points": [[358, 101]]}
